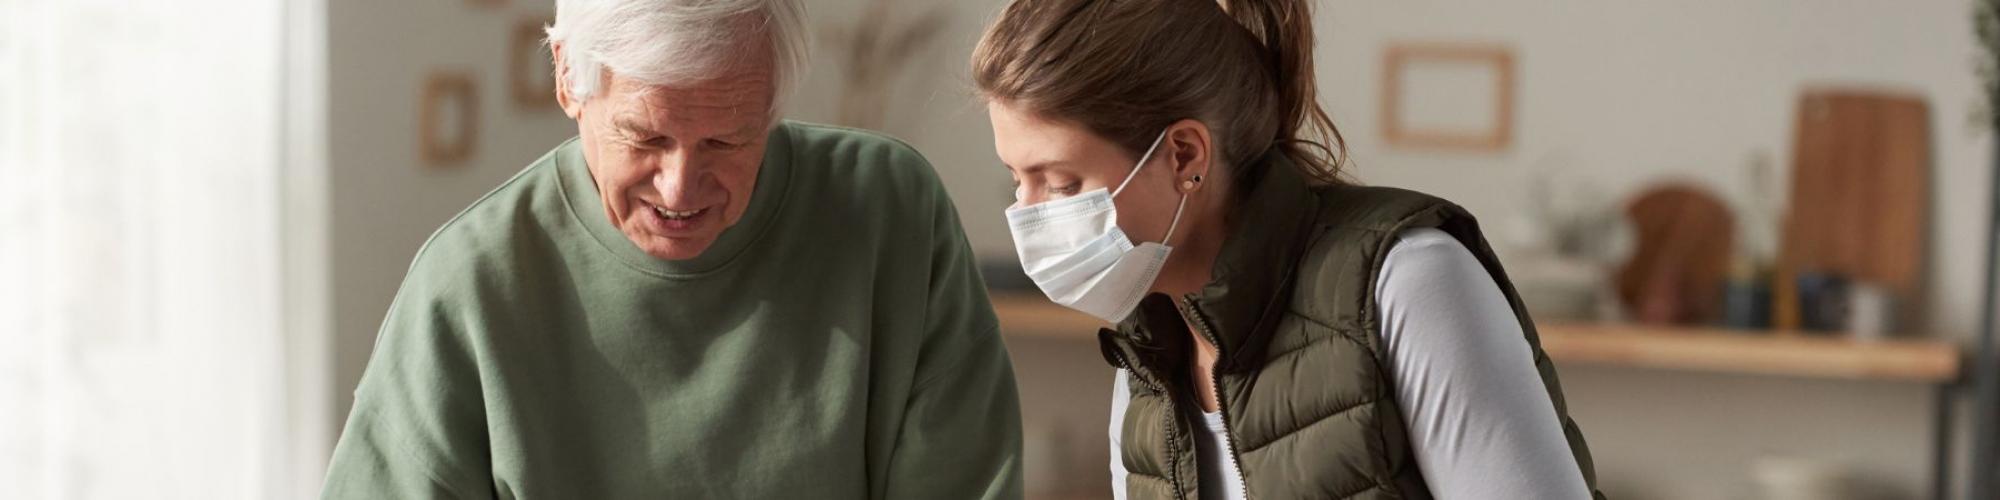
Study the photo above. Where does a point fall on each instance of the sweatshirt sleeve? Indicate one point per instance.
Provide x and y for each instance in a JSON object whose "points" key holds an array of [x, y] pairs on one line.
{"points": [[417, 429], [961, 432]]}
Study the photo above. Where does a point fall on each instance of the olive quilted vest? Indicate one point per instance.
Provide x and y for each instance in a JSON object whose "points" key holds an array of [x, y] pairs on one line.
{"points": [[1309, 408]]}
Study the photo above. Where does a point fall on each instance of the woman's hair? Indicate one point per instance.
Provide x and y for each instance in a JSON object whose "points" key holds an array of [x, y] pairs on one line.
{"points": [[668, 42], [1125, 69]]}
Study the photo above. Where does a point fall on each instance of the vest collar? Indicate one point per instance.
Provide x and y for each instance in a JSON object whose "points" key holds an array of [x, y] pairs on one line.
{"points": [[1250, 284]]}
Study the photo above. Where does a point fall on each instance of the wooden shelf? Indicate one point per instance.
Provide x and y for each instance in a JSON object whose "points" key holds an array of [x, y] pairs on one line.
{"points": [[1661, 347], [1766, 353]]}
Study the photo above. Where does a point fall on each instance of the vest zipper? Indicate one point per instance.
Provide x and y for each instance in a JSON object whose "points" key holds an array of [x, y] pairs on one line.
{"points": [[1215, 381], [1173, 471]]}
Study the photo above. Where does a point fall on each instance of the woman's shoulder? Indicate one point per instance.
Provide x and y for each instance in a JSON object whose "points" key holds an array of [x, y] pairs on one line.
{"points": [[1377, 208], [1422, 257], [1365, 221], [1360, 227]]}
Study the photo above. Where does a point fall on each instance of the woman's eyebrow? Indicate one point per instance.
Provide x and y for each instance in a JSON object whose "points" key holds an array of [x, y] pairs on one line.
{"points": [[1034, 168]]}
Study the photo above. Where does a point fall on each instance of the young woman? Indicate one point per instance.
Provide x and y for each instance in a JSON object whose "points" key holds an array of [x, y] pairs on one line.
{"points": [[1281, 333]]}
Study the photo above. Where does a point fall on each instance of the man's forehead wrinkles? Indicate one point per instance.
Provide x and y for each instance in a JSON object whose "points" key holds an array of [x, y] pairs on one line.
{"points": [[632, 118]]}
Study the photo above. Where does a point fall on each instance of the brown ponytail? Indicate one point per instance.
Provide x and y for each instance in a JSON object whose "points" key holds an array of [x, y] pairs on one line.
{"points": [[1125, 69], [1305, 131]]}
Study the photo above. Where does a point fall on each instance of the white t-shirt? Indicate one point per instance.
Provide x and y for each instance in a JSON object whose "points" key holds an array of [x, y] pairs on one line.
{"points": [[1212, 454], [1480, 424]]}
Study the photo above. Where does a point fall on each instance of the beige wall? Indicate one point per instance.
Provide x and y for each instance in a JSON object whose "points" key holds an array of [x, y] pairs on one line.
{"points": [[384, 201], [1611, 93], [1620, 94]]}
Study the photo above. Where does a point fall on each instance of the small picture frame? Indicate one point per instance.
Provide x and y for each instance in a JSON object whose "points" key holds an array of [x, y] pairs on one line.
{"points": [[448, 118], [1448, 96], [531, 74]]}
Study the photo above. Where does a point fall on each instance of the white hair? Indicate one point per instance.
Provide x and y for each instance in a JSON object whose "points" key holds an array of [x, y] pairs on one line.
{"points": [[669, 42]]}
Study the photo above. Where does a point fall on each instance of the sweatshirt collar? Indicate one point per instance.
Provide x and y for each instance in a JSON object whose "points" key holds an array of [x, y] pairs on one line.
{"points": [[766, 200]]}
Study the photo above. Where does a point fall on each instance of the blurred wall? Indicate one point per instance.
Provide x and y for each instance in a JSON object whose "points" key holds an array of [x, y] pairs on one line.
{"points": [[1621, 94], [385, 202]]}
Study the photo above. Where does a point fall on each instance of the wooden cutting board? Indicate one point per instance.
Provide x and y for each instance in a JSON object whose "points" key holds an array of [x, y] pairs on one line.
{"points": [[1681, 256], [1860, 197]]}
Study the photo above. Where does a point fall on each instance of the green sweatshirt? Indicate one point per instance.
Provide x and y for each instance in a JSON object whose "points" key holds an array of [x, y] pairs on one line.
{"points": [[836, 343]]}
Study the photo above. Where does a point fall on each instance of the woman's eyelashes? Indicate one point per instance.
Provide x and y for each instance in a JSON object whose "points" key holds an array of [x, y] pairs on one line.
{"points": [[1064, 189]]}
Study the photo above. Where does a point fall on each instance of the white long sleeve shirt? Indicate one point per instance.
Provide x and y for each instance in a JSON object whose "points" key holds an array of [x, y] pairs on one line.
{"points": [[1480, 424]]}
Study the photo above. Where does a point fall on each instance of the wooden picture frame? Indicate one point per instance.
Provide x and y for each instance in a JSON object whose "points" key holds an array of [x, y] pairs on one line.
{"points": [[1399, 129], [531, 78], [447, 91]]}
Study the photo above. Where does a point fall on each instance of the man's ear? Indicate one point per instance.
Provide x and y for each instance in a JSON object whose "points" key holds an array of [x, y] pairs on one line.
{"points": [[570, 104], [1190, 148]]}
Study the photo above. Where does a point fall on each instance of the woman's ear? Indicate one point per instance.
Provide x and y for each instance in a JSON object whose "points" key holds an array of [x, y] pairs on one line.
{"points": [[570, 104], [1190, 149]]}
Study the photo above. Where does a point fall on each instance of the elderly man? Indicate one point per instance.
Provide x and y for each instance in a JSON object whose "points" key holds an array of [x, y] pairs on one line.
{"points": [[692, 299]]}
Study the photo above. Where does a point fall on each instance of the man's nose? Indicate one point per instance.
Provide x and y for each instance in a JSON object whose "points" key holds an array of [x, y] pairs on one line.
{"points": [[678, 176]]}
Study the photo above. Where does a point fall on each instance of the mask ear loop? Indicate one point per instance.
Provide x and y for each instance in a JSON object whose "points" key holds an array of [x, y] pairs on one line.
{"points": [[1177, 220], [1135, 174], [1141, 165]]}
